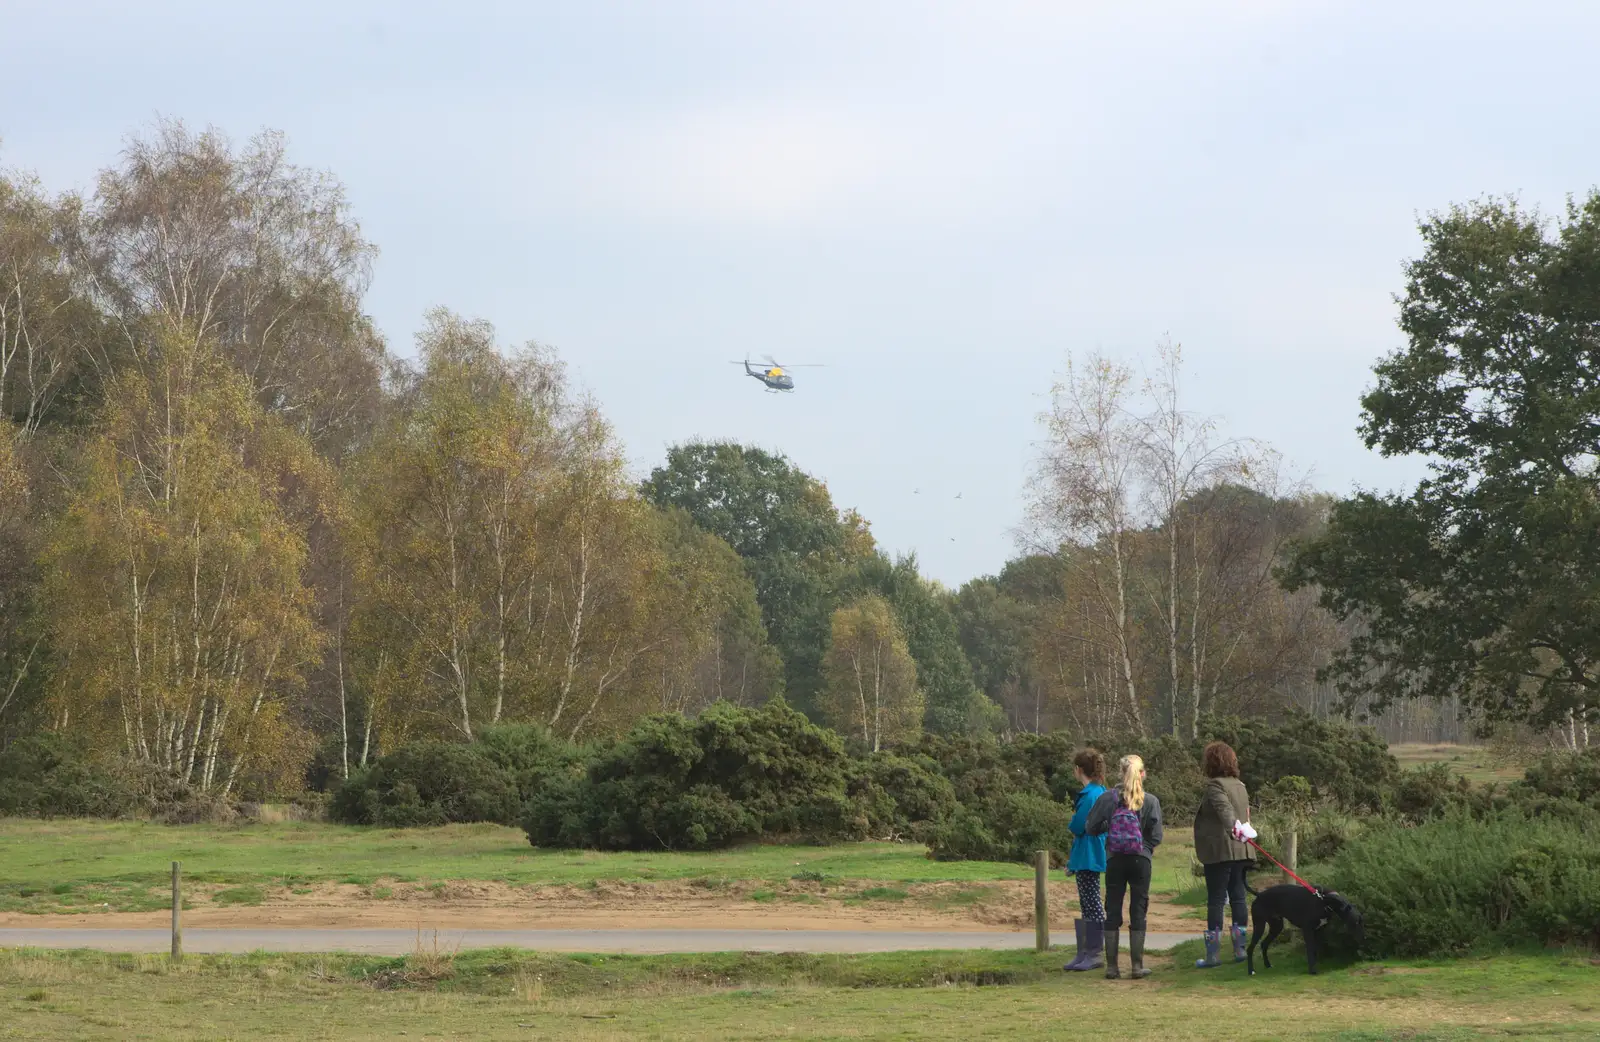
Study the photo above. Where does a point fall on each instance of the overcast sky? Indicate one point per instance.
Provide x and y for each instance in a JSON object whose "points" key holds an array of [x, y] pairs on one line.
{"points": [[937, 201]]}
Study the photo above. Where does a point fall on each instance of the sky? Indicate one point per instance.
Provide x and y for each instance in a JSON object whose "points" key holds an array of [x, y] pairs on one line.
{"points": [[938, 203]]}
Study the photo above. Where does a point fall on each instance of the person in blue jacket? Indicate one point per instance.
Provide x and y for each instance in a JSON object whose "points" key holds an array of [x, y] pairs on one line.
{"points": [[1087, 862]]}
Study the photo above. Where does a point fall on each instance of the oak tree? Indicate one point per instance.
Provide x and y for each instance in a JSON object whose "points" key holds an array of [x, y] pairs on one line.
{"points": [[1482, 582]]}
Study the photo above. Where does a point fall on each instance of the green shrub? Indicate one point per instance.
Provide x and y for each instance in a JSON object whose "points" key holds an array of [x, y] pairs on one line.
{"points": [[728, 776], [1564, 785], [1461, 882], [529, 753], [1009, 827], [49, 776], [1045, 757], [1007, 797], [1348, 766], [784, 769], [428, 783], [1173, 769], [1324, 835], [1567, 776], [900, 796], [1424, 792]]}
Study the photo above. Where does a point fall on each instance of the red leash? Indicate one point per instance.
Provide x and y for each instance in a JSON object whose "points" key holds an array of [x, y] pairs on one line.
{"points": [[1285, 868]]}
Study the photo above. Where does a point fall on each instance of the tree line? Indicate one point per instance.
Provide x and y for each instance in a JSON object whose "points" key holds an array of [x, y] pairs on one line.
{"points": [[241, 538]]}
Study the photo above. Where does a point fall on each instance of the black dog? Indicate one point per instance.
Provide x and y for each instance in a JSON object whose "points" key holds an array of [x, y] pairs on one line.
{"points": [[1308, 910]]}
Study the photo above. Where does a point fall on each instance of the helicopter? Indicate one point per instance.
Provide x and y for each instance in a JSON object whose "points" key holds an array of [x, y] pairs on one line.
{"points": [[775, 376]]}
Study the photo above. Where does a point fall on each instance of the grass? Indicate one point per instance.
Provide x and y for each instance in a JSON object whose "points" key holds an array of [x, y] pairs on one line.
{"points": [[966, 897], [145, 894], [37, 855], [1478, 764], [81, 866], [931, 995]]}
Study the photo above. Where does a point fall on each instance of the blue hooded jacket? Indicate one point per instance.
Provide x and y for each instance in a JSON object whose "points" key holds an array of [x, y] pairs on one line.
{"points": [[1088, 852]]}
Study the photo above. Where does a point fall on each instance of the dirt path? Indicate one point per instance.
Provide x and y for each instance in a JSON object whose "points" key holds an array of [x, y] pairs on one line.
{"points": [[985, 907], [638, 942]]}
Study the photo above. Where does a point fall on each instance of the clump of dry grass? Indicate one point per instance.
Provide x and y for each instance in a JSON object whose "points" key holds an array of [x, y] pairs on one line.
{"points": [[428, 963]]}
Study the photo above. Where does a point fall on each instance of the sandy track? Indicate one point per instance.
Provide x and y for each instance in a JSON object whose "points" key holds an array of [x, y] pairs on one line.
{"points": [[983, 907], [639, 942]]}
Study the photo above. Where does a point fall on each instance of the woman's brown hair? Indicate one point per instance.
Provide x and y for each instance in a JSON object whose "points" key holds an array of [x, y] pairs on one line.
{"points": [[1221, 761], [1092, 763]]}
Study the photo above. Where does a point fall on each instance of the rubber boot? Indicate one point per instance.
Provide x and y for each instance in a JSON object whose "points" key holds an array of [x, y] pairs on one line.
{"points": [[1136, 955], [1112, 973], [1094, 939], [1213, 951], [1081, 952], [1238, 944]]}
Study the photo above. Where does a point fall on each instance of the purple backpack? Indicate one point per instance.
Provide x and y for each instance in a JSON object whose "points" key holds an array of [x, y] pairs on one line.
{"points": [[1125, 836]]}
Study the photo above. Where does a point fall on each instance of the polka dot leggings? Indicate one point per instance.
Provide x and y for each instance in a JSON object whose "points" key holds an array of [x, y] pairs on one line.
{"points": [[1090, 906]]}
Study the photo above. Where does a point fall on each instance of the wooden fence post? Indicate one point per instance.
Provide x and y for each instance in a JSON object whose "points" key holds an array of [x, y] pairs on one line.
{"points": [[1041, 901], [177, 912], [1291, 850]]}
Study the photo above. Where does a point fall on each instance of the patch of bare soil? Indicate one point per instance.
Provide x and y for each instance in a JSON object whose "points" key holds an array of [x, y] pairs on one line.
{"points": [[474, 905]]}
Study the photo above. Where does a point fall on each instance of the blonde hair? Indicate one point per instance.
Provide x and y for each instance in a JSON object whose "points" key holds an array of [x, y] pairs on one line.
{"points": [[1132, 787]]}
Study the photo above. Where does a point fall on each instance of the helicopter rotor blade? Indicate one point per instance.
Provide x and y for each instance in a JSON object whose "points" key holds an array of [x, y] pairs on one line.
{"points": [[779, 365]]}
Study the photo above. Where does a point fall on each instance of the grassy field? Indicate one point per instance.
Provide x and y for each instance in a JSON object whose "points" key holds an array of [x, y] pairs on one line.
{"points": [[74, 866], [975, 995], [1478, 764]]}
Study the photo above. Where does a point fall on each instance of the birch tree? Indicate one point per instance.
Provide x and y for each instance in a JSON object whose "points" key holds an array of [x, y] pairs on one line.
{"points": [[440, 529], [44, 322], [19, 648], [1181, 455], [871, 680], [1083, 497], [175, 591], [507, 569], [241, 247]]}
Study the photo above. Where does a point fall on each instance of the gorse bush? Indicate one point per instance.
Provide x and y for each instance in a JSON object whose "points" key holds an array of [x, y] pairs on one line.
{"points": [[728, 776], [428, 783], [732, 775], [1347, 766], [1005, 808], [1567, 776], [1559, 785], [51, 776], [47, 776], [1004, 827], [1325, 834], [530, 755], [1423, 792], [903, 797], [1462, 882]]}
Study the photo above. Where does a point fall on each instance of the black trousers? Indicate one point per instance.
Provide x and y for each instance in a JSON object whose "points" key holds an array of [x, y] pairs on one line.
{"points": [[1127, 874], [1225, 886]]}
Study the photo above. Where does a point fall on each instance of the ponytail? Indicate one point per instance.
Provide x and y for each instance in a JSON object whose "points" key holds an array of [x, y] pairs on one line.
{"points": [[1132, 782]]}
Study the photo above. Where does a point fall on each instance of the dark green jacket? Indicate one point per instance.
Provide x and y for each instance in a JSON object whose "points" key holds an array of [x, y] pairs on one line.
{"points": [[1223, 801]]}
